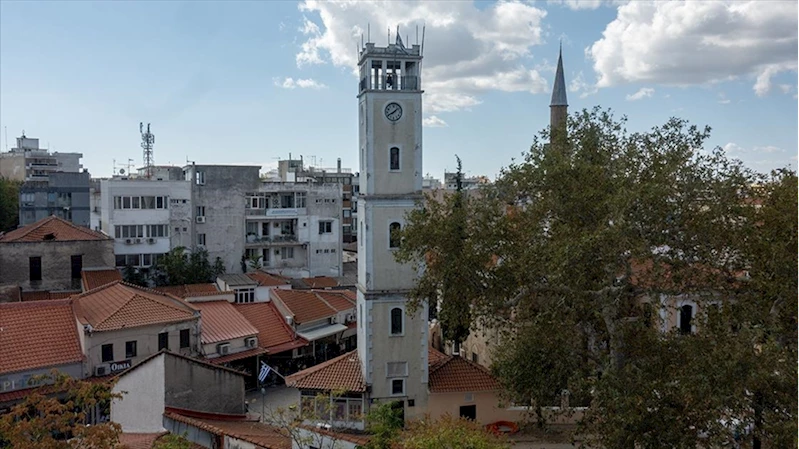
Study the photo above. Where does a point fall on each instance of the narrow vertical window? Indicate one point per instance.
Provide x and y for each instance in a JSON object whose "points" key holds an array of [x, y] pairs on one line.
{"points": [[686, 313], [396, 321], [394, 235], [163, 340], [394, 154], [35, 268]]}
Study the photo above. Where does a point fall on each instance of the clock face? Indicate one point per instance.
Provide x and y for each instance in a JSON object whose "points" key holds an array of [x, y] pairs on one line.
{"points": [[393, 111]]}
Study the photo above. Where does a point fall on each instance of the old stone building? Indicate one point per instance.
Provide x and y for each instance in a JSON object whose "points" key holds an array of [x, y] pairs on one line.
{"points": [[51, 253]]}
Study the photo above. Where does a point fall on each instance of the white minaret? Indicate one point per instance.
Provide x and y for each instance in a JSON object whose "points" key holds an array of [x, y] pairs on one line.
{"points": [[392, 345]]}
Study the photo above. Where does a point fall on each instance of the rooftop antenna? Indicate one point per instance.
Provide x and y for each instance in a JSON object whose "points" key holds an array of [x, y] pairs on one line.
{"points": [[147, 141], [389, 36], [368, 32], [417, 34]]}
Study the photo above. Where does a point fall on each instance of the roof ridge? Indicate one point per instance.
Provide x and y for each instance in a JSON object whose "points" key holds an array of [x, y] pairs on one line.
{"points": [[316, 368], [35, 304]]}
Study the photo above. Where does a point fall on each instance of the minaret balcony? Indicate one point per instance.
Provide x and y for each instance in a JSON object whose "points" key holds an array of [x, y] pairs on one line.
{"points": [[391, 82]]}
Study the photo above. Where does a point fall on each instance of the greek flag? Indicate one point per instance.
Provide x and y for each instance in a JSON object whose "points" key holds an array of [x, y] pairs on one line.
{"points": [[265, 369]]}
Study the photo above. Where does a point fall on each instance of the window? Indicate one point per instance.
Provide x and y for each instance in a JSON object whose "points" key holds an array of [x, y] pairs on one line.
{"points": [[130, 349], [301, 199], [128, 231], [201, 239], [287, 252], [35, 268], [148, 202], [397, 387], [396, 321], [287, 200], [163, 340], [161, 202], [126, 202], [244, 295], [686, 313], [394, 235], [200, 178], [200, 211], [135, 202], [77, 266], [117, 202], [184, 338], [347, 213], [157, 231], [394, 155], [355, 410], [474, 357], [108, 353], [325, 227]]}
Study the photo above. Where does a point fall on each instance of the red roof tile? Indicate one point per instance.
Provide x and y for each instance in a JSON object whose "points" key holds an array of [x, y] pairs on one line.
{"points": [[320, 282], [38, 334], [190, 290], [456, 374], [222, 322], [340, 373], [120, 305], [266, 279], [304, 305], [139, 440], [337, 299], [47, 295], [97, 278], [51, 228], [273, 333], [254, 432]]}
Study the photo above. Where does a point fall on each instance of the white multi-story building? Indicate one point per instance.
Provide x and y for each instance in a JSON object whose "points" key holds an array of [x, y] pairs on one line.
{"points": [[28, 162], [295, 228], [145, 217]]}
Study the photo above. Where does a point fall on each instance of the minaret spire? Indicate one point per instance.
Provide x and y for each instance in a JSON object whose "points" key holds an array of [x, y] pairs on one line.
{"points": [[559, 105]]}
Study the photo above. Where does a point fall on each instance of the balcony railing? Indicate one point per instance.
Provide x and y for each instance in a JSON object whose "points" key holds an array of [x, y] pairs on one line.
{"points": [[390, 82], [276, 239]]}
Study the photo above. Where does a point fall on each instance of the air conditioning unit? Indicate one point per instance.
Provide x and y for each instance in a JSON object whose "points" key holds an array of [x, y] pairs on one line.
{"points": [[200, 219], [223, 348], [350, 317], [128, 241], [251, 342], [138, 240], [334, 319], [151, 241], [101, 370]]}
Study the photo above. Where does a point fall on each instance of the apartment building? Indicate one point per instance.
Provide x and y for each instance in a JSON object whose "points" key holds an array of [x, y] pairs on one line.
{"points": [[63, 194], [145, 217], [28, 162], [294, 229]]}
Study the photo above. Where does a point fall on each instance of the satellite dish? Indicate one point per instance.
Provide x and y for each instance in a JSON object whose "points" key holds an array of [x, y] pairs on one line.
{"points": [[121, 171]]}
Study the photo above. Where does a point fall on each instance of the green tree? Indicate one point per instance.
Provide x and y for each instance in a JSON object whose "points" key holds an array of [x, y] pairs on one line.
{"points": [[218, 268], [563, 252], [9, 204], [52, 422], [448, 433], [172, 441], [385, 424], [133, 275], [177, 267]]}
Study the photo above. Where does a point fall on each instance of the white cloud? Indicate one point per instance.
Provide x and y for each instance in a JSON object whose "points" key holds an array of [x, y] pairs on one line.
{"points": [[732, 149], [468, 51], [786, 88], [291, 83], [579, 85], [687, 43], [723, 98], [644, 92], [434, 122], [578, 4]]}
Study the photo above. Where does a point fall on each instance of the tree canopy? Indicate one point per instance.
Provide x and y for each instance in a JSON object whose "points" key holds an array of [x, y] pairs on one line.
{"points": [[177, 267], [575, 250], [9, 204]]}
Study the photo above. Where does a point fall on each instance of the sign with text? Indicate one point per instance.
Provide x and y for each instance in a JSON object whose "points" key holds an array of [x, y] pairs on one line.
{"points": [[116, 367]]}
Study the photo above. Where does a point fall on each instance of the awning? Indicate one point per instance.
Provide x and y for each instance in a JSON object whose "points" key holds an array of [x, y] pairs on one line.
{"points": [[322, 332], [237, 356], [294, 344]]}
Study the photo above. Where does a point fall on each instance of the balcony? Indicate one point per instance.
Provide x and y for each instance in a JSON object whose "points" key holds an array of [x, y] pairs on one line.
{"points": [[389, 82], [276, 240], [276, 212]]}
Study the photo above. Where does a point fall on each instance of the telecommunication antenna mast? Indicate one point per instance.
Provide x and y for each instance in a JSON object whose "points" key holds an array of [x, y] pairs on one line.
{"points": [[147, 141]]}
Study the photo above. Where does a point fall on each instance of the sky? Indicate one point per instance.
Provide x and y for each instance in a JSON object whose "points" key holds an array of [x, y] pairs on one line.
{"points": [[254, 82]]}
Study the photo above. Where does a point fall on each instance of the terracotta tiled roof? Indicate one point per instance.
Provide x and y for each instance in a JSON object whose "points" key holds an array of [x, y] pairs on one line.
{"points": [[254, 432], [339, 300], [266, 279], [435, 358], [190, 290], [304, 305], [51, 228], [320, 282], [47, 295], [139, 440], [222, 322], [340, 373], [38, 334], [273, 332], [120, 305], [97, 278], [456, 374], [237, 356]]}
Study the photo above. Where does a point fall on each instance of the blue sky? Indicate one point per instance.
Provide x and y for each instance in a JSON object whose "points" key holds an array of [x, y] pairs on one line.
{"points": [[251, 82]]}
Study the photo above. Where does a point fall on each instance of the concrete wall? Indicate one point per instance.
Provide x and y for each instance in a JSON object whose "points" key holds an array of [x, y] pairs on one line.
{"points": [[194, 386], [193, 434], [236, 345], [141, 408], [376, 263], [487, 406], [56, 262], [12, 166], [146, 338]]}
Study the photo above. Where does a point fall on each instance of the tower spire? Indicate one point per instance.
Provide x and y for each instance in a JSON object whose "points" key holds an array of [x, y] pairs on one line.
{"points": [[559, 106]]}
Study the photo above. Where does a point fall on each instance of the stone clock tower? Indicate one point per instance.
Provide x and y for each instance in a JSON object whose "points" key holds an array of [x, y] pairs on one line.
{"points": [[392, 343]]}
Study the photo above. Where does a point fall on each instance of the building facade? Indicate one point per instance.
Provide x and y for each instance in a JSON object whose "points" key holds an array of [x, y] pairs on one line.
{"points": [[28, 162], [63, 194], [392, 342]]}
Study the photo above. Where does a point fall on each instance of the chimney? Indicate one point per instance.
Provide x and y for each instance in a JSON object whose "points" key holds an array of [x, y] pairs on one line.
{"points": [[338, 165]]}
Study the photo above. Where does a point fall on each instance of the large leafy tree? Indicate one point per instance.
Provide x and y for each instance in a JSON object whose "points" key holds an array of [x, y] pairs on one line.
{"points": [[9, 204], [179, 267], [570, 253]]}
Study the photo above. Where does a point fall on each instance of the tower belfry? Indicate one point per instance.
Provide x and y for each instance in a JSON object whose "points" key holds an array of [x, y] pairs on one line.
{"points": [[559, 106], [392, 342]]}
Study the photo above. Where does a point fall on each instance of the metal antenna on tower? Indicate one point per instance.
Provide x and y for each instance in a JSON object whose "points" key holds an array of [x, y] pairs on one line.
{"points": [[147, 141]]}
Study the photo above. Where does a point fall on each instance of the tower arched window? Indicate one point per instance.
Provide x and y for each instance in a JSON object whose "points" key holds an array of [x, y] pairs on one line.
{"points": [[394, 235], [686, 314], [396, 321], [394, 158]]}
